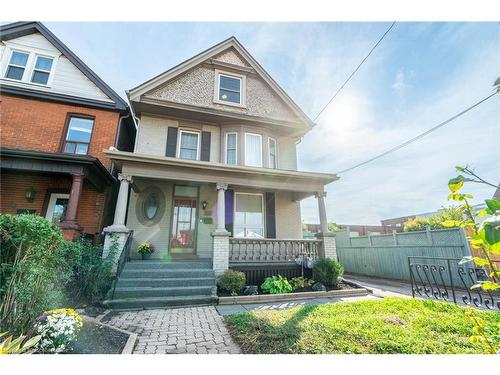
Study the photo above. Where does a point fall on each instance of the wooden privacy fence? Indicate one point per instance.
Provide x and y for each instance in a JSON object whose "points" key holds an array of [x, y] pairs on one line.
{"points": [[387, 255]]}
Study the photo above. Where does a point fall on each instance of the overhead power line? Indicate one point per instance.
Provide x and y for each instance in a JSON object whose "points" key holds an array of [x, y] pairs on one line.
{"points": [[355, 70], [418, 136]]}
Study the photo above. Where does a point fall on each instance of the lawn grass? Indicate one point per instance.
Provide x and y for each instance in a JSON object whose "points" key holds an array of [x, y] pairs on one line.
{"points": [[389, 325]]}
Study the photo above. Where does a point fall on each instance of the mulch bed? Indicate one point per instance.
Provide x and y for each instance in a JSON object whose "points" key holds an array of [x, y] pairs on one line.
{"points": [[343, 285], [95, 338]]}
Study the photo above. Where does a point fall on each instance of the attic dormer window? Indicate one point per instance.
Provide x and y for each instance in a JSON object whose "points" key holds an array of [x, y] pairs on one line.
{"points": [[17, 65], [29, 67], [41, 71], [230, 89]]}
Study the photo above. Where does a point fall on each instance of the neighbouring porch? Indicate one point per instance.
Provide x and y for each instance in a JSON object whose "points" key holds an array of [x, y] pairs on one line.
{"points": [[237, 217]]}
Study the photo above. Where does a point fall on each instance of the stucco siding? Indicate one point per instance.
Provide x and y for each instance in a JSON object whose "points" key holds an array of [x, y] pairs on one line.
{"points": [[288, 220], [196, 87], [66, 78]]}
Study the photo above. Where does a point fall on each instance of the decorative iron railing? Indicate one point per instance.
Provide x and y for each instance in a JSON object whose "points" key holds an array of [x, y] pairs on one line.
{"points": [[447, 280], [124, 258], [272, 250]]}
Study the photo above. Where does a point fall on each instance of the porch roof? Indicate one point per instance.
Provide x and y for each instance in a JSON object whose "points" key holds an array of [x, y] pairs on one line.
{"points": [[303, 184]]}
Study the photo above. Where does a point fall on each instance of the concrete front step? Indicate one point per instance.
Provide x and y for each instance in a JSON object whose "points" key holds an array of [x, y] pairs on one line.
{"points": [[166, 273], [166, 282], [160, 302], [159, 264], [141, 292]]}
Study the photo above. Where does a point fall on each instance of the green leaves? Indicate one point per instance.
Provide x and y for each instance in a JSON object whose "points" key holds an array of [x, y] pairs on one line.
{"points": [[455, 184], [493, 205], [276, 285]]}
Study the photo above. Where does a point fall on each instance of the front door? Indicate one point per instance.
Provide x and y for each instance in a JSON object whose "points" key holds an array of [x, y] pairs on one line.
{"points": [[184, 217]]}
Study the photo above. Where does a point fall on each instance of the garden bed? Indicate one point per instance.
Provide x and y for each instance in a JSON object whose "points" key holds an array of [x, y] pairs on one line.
{"points": [[344, 289], [389, 325], [99, 338]]}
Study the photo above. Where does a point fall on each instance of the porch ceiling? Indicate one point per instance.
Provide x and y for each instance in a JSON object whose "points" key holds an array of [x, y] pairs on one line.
{"points": [[302, 184]]}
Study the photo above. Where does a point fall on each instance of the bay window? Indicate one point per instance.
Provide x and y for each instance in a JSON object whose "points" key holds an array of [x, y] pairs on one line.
{"points": [[231, 148], [253, 150], [248, 215], [273, 161]]}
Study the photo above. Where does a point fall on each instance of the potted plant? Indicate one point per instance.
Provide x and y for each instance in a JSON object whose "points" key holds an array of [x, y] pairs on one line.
{"points": [[145, 249]]}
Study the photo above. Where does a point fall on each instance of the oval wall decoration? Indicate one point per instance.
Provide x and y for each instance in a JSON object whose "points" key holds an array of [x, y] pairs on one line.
{"points": [[150, 206]]}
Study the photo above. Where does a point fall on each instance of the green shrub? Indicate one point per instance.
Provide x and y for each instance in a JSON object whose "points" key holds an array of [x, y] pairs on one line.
{"points": [[232, 281], [300, 283], [92, 275], [434, 222], [328, 272], [34, 269], [276, 285]]}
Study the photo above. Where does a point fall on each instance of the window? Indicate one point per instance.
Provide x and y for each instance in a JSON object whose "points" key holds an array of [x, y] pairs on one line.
{"points": [[17, 65], [56, 209], [78, 135], [248, 215], [231, 148], [253, 150], [273, 161], [41, 71], [229, 89], [189, 145]]}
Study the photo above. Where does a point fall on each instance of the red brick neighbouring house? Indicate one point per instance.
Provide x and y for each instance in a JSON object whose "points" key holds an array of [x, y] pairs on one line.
{"points": [[56, 117]]}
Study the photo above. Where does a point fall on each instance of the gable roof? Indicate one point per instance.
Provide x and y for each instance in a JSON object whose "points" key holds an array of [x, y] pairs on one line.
{"points": [[19, 29], [190, 63]]}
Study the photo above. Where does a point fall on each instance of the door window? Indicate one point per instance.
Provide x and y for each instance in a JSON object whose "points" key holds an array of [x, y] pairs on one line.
{"points": [[56, 210]]}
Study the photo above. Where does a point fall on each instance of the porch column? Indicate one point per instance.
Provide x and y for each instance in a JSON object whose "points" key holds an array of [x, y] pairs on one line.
{"points": [[220, 237], [221, 207], [328, 248], [121, 202], [117, 234], [323, 221], [69, 226]]}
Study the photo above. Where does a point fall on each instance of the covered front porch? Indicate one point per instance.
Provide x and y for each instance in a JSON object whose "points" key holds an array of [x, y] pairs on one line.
{"points": [[232, 215]]}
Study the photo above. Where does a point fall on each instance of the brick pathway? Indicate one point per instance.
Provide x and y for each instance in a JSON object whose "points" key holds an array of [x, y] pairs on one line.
{"points": [[195, 330]]}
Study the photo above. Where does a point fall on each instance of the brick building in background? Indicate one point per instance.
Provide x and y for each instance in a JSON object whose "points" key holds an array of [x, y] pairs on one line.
{"points": [[56, 117]]}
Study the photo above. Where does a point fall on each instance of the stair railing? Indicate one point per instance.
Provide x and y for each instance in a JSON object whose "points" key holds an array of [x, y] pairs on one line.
{"points": [[124, 258]]}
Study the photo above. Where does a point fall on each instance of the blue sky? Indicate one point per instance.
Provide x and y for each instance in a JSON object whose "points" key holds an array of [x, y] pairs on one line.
{"points": [[421, 74]]}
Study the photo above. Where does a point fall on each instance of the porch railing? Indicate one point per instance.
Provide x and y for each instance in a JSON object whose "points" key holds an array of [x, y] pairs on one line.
{"points": [[265, 250]]}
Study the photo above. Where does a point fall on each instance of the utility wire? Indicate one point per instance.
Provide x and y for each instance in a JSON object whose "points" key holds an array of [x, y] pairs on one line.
{"points": [[355, 70], [418, 136]]}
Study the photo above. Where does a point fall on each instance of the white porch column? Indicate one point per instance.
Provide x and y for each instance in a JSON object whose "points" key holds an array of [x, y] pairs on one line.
{"points": [[220, 237], [221, 207], [116, 235], [328, 245], [121, 202], [323, 221]]}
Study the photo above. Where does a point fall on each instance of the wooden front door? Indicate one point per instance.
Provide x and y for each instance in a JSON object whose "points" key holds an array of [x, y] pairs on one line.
{"points": [[184, 218]]}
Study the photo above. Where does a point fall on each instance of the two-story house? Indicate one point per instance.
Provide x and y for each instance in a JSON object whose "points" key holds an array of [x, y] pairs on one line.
{"points": [[56, 117], [213, 177]]}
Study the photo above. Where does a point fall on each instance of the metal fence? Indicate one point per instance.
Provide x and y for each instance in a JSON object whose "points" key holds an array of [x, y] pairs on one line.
{"points": [[446, 279], [387, 255]]}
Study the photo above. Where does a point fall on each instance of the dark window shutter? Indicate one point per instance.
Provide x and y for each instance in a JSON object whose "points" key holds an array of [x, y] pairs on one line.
{"points": [[171, 142], [205, 146], [229, 205], [270, 216]]}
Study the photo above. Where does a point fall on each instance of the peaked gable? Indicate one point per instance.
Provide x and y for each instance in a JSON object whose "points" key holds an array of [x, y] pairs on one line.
{"points": [[192, 82], [71, 77]]}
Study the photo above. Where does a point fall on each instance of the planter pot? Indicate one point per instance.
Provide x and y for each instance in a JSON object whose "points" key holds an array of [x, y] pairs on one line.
{"points": [[146, 256]]}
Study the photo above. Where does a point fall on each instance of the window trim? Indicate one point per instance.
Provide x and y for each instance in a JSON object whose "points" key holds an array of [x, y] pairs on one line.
{"points": [[179, 138], [34, 69], [241, 77], [269, 139], [69, 116], [33, 53], [236, 149], [25, 67], [263, 211], [261, 151]]}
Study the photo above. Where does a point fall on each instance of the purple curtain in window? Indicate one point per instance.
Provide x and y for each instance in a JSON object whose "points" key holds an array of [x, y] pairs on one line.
{"points": [[229, 204]]}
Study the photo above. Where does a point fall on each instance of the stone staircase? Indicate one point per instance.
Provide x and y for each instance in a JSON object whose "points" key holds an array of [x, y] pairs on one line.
{"points": [[157, 284]]}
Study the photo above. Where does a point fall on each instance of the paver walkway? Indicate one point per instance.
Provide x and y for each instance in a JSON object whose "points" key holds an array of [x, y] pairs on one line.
{"points": [[193, 330]]}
